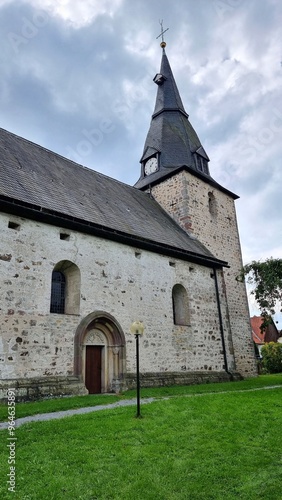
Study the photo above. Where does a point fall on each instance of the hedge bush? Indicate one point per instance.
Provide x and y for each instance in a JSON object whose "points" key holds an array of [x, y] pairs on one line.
{"points": [[272, 357]]}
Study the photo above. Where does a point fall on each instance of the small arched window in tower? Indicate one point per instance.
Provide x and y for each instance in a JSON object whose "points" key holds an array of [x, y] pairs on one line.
{"points": [[212, 204], [180, 305], [58, 293]]}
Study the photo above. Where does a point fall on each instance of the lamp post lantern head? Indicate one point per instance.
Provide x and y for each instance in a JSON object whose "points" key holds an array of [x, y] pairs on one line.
{"points": [[137, 328]]}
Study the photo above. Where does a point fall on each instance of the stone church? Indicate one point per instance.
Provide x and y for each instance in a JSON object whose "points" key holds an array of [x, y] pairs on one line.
{"points": [[82, 256]]}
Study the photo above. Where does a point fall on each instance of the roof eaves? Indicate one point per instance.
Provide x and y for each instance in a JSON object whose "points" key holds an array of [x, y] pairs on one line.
{"points": [[38, 213], [159, 176], [167, 110]]}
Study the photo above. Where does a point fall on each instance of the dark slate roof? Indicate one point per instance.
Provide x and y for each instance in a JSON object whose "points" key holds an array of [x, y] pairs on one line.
{"points": [[45, 182], [171, 135], [168, 97], [170, 132]]}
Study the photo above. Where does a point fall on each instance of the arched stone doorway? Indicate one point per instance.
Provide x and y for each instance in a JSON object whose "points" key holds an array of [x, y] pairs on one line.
{"points": [[99, 358]]}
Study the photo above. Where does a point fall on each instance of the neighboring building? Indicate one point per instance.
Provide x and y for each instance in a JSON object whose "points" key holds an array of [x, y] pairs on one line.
{"points": [[270, 334], [83, 256]]}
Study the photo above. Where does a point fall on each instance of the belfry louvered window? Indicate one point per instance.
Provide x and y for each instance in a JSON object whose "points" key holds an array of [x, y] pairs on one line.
{"points": [[202, 164], [58, 293]]}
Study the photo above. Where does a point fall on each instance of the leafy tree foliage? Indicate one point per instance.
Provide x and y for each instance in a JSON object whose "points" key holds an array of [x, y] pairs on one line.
{"points": [[272, 357], [267, 280]]}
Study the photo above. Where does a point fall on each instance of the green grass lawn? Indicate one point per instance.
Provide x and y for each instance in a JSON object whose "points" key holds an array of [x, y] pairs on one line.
{"points": [[67, 403], [217, 445]]}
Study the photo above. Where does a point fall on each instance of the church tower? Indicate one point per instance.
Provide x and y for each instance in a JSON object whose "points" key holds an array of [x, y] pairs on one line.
{"points": [[175, 171]]}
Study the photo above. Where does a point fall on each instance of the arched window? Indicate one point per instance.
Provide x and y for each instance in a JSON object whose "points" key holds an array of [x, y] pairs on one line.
{"points": [[65, 289], [212, 204], [58, 293], [180, 305]]}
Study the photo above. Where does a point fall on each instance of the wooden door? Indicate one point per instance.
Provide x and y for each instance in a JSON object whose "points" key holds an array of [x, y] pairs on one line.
{"points": [[93, 368]]}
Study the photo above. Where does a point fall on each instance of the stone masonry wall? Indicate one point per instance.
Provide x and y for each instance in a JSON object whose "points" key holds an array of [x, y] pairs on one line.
{"points": [[209, 214], [128, 283]]}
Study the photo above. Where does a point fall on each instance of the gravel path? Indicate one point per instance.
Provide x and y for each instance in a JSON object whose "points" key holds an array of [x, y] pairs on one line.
{"points": [[69, 413], [126, 402]]}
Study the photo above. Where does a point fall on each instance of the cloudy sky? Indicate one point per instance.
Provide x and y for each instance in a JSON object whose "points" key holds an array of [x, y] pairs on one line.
{"points": [[76, 77]]}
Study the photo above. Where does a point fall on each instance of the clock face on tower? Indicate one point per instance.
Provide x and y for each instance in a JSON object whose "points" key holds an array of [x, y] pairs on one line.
{"points": [[151, 166]]}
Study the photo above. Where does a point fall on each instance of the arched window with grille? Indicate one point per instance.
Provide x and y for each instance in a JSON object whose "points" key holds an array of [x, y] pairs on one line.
{"points": [[58, 293], [65, 288], [180, 304]]}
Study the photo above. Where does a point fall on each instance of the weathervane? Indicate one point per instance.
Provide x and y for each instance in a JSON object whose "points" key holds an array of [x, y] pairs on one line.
{"points": [[163, 44]]}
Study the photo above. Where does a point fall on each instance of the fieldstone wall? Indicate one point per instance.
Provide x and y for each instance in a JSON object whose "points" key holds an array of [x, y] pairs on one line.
{"points": [[32, 389], [175, 378], [209, 214], [128, 283]]}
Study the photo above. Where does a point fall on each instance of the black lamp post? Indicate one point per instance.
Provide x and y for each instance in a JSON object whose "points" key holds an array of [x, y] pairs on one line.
{"points": [[137, 328]]}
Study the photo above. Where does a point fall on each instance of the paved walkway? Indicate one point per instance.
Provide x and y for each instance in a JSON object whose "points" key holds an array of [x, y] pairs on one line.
{"points": [[126, 402], [78, 411]]}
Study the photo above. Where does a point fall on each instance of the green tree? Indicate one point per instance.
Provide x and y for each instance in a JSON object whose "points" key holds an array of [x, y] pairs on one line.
{"points": [[272, 357], [267, 280]]}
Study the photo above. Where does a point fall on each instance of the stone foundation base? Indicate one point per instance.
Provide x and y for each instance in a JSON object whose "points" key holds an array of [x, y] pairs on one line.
{"points": [[31, 389], [174, 378]]}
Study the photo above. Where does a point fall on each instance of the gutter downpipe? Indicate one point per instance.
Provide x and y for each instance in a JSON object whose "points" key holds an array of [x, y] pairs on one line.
{"points": [[221, 323]]}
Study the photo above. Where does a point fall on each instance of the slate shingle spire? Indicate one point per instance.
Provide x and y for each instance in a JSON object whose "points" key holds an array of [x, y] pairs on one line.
{"points": [[168, 97], [171, 137]]}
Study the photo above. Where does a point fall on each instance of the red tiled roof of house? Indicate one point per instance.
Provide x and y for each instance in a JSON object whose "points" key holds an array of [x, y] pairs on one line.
{"points": [[270, 334]]}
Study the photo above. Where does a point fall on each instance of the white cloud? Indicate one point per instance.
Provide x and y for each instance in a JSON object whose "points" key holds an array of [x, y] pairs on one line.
{"points": [[94, 60], [78, 13]]}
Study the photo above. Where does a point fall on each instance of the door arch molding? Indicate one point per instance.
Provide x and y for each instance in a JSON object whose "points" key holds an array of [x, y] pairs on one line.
{"points": [[114, 367]]}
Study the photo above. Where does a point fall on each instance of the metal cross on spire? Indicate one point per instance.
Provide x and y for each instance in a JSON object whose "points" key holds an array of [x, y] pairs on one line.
{"points": [[163, 44]]}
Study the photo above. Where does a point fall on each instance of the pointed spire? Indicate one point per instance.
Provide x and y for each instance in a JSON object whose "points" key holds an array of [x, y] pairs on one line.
{"points": [[171, 138], [168, 97]]}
